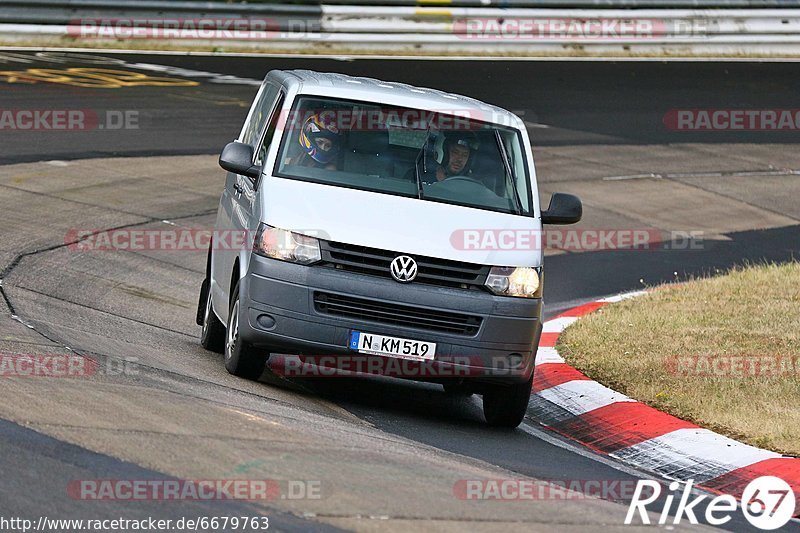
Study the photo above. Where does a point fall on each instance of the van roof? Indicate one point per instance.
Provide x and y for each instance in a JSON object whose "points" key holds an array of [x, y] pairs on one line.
{"points": [[374, 90]]}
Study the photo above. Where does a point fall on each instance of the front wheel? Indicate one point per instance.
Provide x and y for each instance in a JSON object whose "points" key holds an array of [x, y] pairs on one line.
{"points": [[457, 389], [212, 336], [505, 406], [241, 359]]}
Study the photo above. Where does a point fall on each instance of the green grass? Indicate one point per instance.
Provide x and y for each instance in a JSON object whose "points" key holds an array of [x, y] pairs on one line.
{"points": [[660, 349]]}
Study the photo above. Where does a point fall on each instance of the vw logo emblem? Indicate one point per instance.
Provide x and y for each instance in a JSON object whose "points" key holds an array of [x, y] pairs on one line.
{"points": [[403, 269]]}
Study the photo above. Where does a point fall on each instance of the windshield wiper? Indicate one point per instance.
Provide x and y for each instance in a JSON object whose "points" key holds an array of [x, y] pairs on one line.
{"points": [[422, 153], [509, 171]]}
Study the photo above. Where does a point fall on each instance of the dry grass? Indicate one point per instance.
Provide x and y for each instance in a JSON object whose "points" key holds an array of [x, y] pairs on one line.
{"points": [[639, 347]]}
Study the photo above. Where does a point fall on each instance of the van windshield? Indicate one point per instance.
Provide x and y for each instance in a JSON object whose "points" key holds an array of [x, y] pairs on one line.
{"points": [[432, 156]]}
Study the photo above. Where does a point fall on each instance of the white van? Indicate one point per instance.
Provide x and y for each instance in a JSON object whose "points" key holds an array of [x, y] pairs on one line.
{"points": [[374, 218]]}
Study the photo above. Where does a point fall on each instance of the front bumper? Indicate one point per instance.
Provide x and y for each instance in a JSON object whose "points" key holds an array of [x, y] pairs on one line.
{"points": [[278, 299]]}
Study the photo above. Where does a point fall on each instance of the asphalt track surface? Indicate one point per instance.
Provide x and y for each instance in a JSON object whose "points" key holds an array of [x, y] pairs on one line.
{"points": [[569, 106], [584, 102]]}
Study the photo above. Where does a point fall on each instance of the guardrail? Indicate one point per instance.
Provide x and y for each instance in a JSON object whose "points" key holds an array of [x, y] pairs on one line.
{"points": [[412, 29], [64, 12], [276, 6]]}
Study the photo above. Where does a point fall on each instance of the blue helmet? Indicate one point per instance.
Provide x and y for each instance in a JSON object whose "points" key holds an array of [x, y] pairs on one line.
{"points": [[319, 127]]}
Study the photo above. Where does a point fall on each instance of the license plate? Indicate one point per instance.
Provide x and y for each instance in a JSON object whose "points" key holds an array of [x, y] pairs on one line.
{"points": [[391, 346]]}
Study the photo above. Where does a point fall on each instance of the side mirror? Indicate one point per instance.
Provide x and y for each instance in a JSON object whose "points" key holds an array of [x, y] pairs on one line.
{"points": [[237, 157], [563, 209]]}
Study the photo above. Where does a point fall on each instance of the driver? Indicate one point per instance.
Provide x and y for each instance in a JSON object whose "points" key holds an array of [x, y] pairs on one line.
{"points": [[320, 139], [459, 150]]}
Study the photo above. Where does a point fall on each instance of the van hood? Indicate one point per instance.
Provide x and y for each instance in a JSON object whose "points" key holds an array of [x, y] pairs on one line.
{"points": [[401, 224]]}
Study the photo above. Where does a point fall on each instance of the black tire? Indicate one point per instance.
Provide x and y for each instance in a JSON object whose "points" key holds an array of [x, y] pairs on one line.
{"points": [[457, 389], [212, 336], [241, 359], [505, 406]]}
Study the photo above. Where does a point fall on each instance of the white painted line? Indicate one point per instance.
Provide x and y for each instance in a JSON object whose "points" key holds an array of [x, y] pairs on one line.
{"points": [[547, 354], [581, 396], [634, 177], [737, 174], [692, 453], [678, 175], [557, 325], [623, 296]]}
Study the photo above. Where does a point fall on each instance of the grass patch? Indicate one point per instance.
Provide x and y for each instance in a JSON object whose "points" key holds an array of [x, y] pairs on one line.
{"points": [[722, 352]]}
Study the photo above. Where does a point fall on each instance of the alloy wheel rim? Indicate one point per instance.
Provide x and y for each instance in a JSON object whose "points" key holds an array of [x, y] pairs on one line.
{"points": [[207, 315], [233, 331]]}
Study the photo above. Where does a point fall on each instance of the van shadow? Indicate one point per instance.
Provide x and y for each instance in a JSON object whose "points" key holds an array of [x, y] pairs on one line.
{"points": [[370, 396]]}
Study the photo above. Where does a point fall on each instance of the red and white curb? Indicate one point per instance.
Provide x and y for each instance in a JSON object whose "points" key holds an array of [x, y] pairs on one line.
{"points": [[568, 402]]}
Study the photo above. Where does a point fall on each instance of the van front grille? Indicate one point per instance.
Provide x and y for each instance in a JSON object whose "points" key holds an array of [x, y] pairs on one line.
{"points": [[367, 310], [375, 261]]}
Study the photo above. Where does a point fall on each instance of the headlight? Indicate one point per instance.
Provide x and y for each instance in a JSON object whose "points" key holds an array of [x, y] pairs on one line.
{"points": [[286, 246], [524, 282]]}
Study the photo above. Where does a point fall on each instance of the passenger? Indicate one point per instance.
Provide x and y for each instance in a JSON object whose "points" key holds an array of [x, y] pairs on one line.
{"points": [[320, 140], [459, 150]]}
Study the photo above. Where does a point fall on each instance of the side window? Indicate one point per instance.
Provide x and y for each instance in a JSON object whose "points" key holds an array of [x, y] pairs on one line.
{"points": [[517, 154], [258, 114], [269, 132]]}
